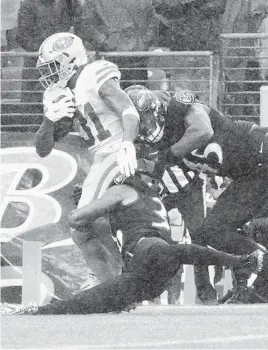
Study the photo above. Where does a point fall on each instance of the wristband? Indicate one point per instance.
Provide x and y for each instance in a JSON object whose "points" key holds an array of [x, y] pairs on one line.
{"points": [[131, 111]]}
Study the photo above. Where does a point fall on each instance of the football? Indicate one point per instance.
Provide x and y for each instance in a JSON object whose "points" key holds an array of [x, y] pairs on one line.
{"points": [[63, 126]]}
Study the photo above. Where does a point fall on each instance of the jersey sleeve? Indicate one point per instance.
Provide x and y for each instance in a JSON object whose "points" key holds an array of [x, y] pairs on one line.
{"points": [[180, 104], [99, 72]]}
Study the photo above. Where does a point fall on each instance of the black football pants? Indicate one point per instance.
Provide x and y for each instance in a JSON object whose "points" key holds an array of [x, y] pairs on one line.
{"points": [[153, 263], [246, 198]]}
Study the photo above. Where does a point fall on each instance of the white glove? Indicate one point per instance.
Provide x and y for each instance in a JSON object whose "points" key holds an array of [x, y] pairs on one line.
{"points": [[126, 158], [58, 103]]}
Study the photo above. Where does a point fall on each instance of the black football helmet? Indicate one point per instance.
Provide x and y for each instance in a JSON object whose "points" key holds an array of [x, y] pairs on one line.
{"points": [[152, 113]]}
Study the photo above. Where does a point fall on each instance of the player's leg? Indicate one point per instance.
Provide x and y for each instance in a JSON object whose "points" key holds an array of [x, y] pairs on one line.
{"points": [[190, 203], [103, 259], [114, 295], [99, 251], [150, 265], [241, 201], [139, 282]]}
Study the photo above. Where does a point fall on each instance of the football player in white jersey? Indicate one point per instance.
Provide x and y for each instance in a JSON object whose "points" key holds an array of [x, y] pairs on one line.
{"points": [[87, 97]]}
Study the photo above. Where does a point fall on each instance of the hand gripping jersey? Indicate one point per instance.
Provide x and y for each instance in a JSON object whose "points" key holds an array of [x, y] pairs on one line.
{"points": [[97, 124], [232, 152], [146, 217]]}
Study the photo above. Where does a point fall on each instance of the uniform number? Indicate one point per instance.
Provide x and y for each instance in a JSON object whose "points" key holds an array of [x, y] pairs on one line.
{"points": [[102, 133]]}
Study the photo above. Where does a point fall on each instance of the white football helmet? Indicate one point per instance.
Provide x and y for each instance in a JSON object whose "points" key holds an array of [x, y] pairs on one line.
{"points": [[59, 57]]}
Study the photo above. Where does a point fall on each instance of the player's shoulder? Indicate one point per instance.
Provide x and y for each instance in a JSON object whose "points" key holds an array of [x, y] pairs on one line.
{"points": [[100, 68], [180, 103], [96, 73]]}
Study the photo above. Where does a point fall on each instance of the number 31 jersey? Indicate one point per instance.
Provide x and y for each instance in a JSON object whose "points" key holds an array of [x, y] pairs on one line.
{"points": [[96, 123]]}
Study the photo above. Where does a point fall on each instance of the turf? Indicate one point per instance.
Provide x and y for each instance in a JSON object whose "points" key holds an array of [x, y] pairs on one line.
{"points": [[152, 327]]}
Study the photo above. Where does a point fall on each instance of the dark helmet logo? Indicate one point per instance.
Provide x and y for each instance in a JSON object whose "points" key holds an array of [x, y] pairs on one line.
{"points": [[63, 43], [186, 97]]}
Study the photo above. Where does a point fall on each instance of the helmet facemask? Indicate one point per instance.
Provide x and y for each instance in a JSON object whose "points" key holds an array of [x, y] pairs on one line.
{"points": [[152, 113], [59, 57], [152, 123], [57, 71]]}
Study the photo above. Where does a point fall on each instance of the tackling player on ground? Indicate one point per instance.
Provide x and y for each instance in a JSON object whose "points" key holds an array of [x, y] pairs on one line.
{"points": [[151, 258], [86, 97]]}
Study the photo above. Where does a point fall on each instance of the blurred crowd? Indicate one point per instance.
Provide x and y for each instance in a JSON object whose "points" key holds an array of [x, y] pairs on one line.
{"points": [[124, 25]]}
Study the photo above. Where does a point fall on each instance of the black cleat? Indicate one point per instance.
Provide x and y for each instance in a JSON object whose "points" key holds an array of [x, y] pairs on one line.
{"points": [[253, 263], [227, 296], [240, 296]]}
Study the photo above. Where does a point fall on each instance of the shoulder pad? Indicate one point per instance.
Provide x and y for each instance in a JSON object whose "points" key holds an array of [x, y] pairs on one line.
{"points": [[97, 73]]}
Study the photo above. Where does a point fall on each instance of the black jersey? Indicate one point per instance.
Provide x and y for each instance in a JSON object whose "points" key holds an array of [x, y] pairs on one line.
{"points": [[146, 217], [232, 152]]}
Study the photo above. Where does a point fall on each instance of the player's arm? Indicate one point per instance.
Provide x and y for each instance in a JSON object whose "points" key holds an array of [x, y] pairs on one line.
{"points": [[80, 219], [57, 122], [44, 138], [198, 131], [122, 105]]}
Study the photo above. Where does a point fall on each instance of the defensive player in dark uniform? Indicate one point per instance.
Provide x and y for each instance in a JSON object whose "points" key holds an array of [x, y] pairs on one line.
{"points": [[201, 138], [151, 258], [183, 187]]}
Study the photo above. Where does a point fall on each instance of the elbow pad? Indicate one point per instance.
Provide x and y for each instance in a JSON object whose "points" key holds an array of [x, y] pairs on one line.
{"points": [[131, 111]]}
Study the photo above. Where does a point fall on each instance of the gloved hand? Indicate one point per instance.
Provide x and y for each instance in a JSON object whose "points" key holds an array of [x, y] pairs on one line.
{"points": [[59, 103], [126, 158]]}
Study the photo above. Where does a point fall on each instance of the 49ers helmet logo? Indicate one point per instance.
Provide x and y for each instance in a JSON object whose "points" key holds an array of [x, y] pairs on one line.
{"points": [[63, 43], [186, 97]]}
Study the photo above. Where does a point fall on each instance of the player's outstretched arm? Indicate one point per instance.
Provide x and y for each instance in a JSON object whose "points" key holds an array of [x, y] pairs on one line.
{"points": [[122, 105], [81, 219], [198, 132]]}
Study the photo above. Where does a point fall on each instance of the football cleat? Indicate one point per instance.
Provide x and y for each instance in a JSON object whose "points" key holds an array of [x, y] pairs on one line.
{"points": [[252, 263], [241, 295], [18, 309]]}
